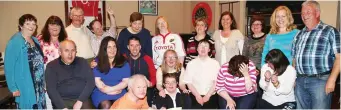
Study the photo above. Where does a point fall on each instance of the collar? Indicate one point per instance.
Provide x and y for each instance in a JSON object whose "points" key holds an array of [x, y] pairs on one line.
{"points": [[177, 91], [319, 26], [62, 62]]}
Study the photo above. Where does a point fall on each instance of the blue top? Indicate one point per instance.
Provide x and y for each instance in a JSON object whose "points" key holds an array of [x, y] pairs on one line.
{"points": [[17, 71], [314, 51], [112, 78], [281, 42], [145, 39]]}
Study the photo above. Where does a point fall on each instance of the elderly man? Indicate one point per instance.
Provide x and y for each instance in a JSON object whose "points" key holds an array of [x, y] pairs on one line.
{"points": [[79, 34], [316, 58], [135, 98], [69, 79]]}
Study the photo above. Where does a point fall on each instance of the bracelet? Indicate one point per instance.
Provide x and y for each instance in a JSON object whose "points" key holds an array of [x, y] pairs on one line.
{"points": [[277, 84]]}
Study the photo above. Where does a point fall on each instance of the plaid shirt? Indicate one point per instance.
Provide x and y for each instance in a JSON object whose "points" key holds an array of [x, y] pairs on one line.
{"points": [[314, 51]]}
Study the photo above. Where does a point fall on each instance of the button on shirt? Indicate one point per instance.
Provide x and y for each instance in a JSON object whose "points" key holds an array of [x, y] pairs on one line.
{"points": [[314, 51]]}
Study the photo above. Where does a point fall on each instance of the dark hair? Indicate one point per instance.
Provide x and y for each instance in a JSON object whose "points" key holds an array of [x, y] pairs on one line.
{"points": [[235, 63], [103, 62], [92, 23], [24, 18], [45, 31], [233, 25], [205, 41], [258, 18], [278, 59], [134, 38], [169, 75]]}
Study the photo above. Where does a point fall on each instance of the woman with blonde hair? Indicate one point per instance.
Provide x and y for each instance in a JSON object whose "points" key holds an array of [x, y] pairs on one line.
{"points": [[163, 40], [282, 32], [170, 65]]}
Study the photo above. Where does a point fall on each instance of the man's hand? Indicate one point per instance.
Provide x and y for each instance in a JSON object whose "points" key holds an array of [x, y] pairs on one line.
{"points": [[110, 11], [199, 100], [78, 105], [93, 64], [330, 86], [162, 93]]}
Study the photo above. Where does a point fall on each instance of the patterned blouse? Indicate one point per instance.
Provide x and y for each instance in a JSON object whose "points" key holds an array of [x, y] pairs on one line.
{"points": [[50, 50]]}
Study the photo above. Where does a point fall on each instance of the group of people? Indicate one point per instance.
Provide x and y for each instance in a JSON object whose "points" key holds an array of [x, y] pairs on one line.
{"points": [[77, 66]]}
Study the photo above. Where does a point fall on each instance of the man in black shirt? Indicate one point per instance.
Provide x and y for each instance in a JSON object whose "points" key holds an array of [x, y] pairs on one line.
{"points": [[69, 79]]}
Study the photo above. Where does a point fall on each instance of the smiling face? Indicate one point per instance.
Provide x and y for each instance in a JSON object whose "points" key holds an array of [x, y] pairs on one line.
{"points": [[310, 16], [54, 30], [171, 59], [200, 27], [226, 21], [256, 27], [203, 49], [161, 24], [170, 84], [136, 26], [28, 27], [97, 28], [282, 19], [134, 47], [111, 49], [77, 18]]}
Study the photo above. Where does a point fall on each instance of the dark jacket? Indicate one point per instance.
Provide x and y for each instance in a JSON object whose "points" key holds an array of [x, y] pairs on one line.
{"points": [[181, 100]]}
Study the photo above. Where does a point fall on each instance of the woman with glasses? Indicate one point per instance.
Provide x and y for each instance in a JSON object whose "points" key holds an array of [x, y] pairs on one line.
{"points": [[200, 77], [170, 65]]}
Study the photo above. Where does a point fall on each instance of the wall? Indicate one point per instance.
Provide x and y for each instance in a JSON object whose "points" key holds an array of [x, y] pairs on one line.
{"points": [[177, 13]]}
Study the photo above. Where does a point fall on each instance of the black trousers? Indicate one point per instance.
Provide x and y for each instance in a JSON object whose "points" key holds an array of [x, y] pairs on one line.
{"points": [[210, 104], [263, 104]]}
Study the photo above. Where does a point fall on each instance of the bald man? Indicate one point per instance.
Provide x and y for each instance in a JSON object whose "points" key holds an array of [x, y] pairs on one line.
{"points": [[69, 79], [135, 98]]}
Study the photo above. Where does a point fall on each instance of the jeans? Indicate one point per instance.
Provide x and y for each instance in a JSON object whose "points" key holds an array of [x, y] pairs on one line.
{"points": [[310, 92], [243, 102]]}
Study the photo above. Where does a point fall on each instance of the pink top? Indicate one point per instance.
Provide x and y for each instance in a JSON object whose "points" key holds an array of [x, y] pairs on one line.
{"points": [[235, 86], [50, 50]]}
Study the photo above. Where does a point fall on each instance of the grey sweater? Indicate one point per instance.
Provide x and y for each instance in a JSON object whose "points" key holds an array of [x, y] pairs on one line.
{"points": [[74, 81]]}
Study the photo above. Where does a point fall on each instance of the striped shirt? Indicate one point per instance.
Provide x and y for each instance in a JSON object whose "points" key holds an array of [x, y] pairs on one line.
{"points": [[191, 50], [235, 86], [314, 51]]}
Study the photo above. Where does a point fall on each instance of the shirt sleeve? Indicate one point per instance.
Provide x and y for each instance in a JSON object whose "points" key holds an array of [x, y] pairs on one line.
{"points": [[188, 77], [334, 39], [262, 82], [90, 81], [159, 76], [180, 49], [286, 81], [11, 56], [220, 85], [51, 87]]}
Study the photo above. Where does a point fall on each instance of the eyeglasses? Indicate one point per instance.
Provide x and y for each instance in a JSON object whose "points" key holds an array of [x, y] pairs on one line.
{"points": [[170, 83], [256, 24]]}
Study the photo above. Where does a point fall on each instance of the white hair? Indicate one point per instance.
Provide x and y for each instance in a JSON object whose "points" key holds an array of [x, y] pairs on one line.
{"points": [[313, 3], [133, 78], [74, 9]]}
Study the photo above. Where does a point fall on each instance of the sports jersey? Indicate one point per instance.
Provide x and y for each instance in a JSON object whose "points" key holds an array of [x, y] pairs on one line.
{"points": [[161, 43]]}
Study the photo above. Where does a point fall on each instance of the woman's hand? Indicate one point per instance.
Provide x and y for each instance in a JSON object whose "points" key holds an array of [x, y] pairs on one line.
{"points": [[206, 98], [199, 100], [115, 92], [162, 93], [244, 68], [93, 64], [267, 76], [16, 94], [231, 104]]}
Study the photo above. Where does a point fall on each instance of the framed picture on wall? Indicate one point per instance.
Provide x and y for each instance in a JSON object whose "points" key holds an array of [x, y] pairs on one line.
{"points": [[93, 9], [148, 7]]}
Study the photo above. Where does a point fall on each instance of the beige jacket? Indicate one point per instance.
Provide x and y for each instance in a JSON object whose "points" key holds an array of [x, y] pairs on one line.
{"points": [[234, 45]]}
